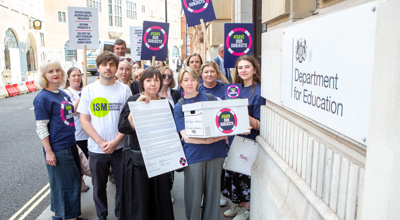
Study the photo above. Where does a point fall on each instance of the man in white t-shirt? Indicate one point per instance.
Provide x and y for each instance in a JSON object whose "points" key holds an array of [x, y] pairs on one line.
{"points": [[100, 107]]}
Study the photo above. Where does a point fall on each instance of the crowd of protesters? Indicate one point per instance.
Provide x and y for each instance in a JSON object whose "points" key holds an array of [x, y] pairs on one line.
{"points": [[96, 120]]}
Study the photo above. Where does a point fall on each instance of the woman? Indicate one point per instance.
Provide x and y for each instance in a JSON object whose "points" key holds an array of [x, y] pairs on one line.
{"points": [[136, 75], [142, 197], [205, 157], [125, 76], [168, 83], [73, 88], [136, 65], [55, 127], [210, 73], [195, 61], [237, 185]]}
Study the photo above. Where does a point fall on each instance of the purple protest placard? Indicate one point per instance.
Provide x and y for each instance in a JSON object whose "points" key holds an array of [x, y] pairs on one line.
{"points": [[198, 9], [238, 41], [155, 40]]}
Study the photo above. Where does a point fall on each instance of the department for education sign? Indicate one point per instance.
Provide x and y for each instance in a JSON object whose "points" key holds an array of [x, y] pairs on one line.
{"points": [[327, 67]]}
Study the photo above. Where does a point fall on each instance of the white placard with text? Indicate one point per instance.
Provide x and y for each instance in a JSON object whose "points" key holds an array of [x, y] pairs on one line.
{"points": [[83, 25]]}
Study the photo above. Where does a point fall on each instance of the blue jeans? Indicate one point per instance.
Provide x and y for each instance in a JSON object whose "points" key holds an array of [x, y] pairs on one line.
{"points": [[99, 167], [65, 183]]}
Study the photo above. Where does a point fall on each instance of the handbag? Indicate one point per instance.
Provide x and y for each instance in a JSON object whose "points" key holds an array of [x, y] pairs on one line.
{"points": [[241, 155], [136, 156]]}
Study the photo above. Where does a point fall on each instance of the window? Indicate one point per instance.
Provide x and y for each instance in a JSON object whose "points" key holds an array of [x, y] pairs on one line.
{"points": [[175, 33], [143, 9], [114, 13], [152, 12], [131, 10], [42, 39], [69, 54], [175, 16], [162, 15], [61, 16], [94, 4], [10, 41], [187, 40], [188, 50]]}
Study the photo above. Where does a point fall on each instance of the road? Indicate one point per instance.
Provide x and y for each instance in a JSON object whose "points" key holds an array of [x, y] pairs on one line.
{"points": [[23, 172]]}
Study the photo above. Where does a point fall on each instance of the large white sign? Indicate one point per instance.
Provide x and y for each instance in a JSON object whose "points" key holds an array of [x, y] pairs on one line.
{"points": [[159, 141], [83, 24], [327, 66], [136, 42]]}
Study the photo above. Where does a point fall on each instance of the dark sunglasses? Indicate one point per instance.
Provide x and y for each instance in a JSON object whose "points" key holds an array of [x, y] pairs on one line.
{"points": [[165, 76]]}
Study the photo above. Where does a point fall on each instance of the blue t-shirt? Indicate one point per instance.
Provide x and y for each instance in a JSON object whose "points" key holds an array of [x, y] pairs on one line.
{"points": [[57, 108], [198, 152], [218, 90], [255, 102]]}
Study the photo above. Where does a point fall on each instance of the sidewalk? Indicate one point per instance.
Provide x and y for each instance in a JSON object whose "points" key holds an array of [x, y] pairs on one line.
{"points": [[89, 211]]}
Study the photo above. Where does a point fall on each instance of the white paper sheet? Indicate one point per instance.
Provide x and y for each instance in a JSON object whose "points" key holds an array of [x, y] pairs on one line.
{"points": [[159, 141]]}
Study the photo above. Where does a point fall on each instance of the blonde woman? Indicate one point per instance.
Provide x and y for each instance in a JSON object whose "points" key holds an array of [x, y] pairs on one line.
{"points": [[55, 127]]}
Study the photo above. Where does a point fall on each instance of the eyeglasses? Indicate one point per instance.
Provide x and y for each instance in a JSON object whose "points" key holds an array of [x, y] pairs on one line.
{"points": [[165, 76]]}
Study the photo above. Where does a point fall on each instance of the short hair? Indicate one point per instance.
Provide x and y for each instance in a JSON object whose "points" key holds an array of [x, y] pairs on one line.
{"points": [[190, 71], [41, 81], [105, 57], [212, 64], [220, 48], [172, 83], [254, 63], [69, 71], [149, 72], [194, 55], [119, 42]]}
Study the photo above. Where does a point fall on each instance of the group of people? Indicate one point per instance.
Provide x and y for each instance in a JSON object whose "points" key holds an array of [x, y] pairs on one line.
{"points": [[98, 120]]}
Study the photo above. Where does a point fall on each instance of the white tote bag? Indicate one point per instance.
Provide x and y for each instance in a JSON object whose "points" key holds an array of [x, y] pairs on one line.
{"points": [[241, 155]]}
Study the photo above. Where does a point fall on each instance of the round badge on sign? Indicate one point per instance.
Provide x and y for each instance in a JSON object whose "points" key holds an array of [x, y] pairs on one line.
{"points": [[66, 113], [182, 161], [155, 38], [196, 6], [233, 91], [226, 120], [239, 41]]}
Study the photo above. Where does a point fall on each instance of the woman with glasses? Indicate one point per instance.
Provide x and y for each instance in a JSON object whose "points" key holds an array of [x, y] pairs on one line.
{"points": [[167, 86], [142, 197]]}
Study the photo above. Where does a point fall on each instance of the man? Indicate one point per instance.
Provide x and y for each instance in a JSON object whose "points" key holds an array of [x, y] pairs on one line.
{"points": [[100, 106], [219, 59], [120, 48]]}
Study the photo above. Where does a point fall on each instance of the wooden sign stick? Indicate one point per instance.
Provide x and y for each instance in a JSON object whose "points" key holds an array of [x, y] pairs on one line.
{"points": [[84, 66], [153, 61]]}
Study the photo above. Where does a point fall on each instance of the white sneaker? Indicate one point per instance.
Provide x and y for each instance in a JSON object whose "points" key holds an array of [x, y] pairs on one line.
{"points": [[244, 215], [233, 211], [222, 201]]}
